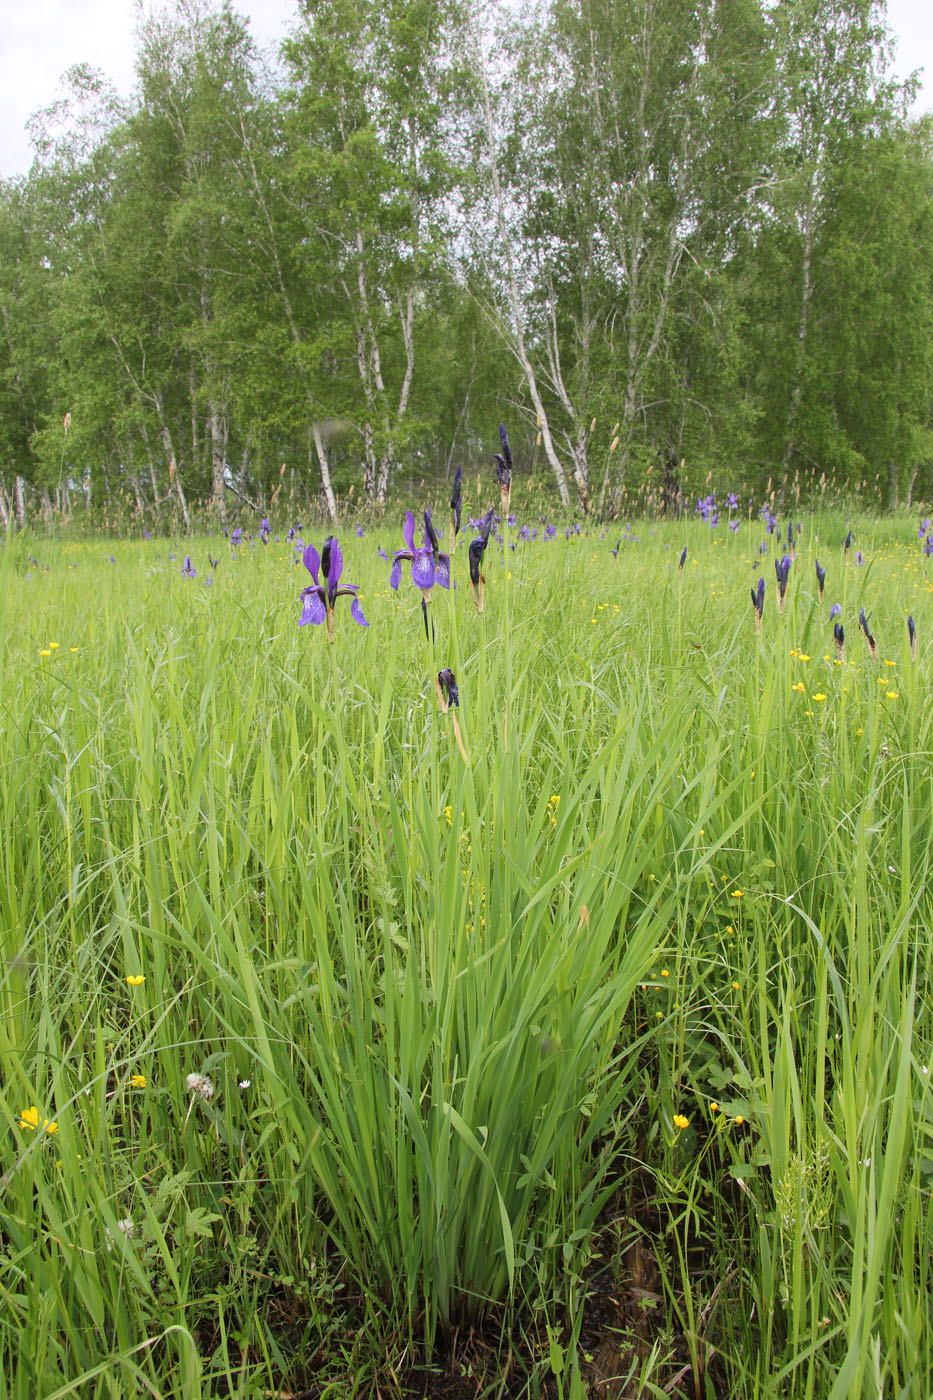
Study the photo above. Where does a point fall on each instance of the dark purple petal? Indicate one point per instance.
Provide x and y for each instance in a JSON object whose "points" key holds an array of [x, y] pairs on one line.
{"points": [[395, 577], [332, 564], [504, 439], [430, 534], [313, 610], [408, 532], [312, 561], [442, 573], [356, 612], [422, 569]]}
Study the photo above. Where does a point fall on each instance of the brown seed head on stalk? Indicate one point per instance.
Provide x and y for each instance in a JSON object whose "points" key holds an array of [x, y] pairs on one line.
{"points": [[67, 423]]}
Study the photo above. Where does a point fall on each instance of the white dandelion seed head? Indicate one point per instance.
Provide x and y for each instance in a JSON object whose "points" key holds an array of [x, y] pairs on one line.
{"points": [[201, 1086]]}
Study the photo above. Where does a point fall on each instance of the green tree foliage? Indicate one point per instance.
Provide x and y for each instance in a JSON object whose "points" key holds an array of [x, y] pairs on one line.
{"points": [[669, 243]]}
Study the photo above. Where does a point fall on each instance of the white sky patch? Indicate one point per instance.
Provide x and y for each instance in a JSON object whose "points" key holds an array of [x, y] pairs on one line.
{"points": [[41, 39]]}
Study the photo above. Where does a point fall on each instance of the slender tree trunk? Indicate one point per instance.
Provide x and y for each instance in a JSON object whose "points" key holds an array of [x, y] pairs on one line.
{"points": [[326, 487], [516, 335], [6, 514], [20, 497], [218, 458]]}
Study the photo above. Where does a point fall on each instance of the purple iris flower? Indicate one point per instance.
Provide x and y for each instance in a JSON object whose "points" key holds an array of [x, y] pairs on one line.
{"points": [[359, 532], [848, 543], [683, 559], [504, 463], [236, 537], [820, 576], [428, 565], [382, 554], [912, 634], [319, 598], [734, 526], [758, 603], [456, 503], [476, 552], [188, 568], [732, 501], [782, 569], [863, 623], [447, 683], [213, 562], [839, 637], [835, 610]]}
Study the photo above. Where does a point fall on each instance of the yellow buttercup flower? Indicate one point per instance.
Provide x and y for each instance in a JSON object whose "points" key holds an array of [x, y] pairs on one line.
{"points": [[819, 696], [136, 979], [138, 1081], [681, 1122], [29, 1118]]}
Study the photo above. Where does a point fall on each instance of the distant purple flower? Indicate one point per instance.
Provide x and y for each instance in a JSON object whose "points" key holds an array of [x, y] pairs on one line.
{"points": [[213, 562], [683, 558], [319, 598], [382, 554], [359, 532], [848, 543], [188, 568], [835, 610], [820, 576], [733, 526], [912, 637], [732, 501], [839, 637], [859, 561], [236, 537], [550, 531], [758, 603]]}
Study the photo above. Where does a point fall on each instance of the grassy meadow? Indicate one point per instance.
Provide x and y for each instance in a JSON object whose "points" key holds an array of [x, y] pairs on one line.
{"points": [[584, 1054]]}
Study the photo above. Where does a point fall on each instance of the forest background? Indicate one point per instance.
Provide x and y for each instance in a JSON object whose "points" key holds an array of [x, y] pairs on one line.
{"points": [[677, 246]]}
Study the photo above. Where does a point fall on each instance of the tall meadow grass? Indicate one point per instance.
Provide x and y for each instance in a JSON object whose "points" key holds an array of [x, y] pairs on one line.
{"points": [[352, 1039]]}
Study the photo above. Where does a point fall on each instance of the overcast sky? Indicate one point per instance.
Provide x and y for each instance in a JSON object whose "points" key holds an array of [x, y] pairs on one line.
{"points": [[40, 39]]}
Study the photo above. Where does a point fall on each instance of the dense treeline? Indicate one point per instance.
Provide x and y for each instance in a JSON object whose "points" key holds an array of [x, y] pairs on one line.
{"points": [[672, 242]]}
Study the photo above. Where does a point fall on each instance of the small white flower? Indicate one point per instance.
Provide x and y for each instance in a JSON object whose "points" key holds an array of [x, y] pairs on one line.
{"points": [[126, 1227], [245, 1083], [200, 1086]]}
